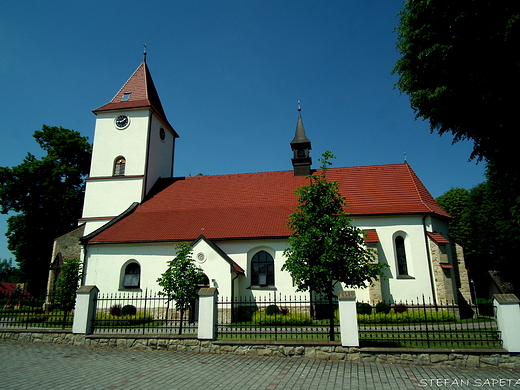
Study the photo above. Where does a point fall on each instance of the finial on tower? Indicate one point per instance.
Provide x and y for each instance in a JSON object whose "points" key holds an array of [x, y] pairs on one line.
{"points": [[405, 158], [299, 106], [144, 52]]}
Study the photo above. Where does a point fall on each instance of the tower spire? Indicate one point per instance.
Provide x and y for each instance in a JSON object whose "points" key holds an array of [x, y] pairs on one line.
{"points": [[300, 146]]}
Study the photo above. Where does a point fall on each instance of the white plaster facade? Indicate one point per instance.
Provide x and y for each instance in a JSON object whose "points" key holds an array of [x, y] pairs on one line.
{"points": [[106, 264]]}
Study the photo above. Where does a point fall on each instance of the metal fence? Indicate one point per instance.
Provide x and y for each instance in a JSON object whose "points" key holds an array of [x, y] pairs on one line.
{"points": [[142, 312], [24, 311], [427, 324], [271, 317], [276, 317]]}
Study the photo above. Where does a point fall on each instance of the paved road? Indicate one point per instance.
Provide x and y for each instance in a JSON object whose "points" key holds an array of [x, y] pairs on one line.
{"points": [[48, 366]]}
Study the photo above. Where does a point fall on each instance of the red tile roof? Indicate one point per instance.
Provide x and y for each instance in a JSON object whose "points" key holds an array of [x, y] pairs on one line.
{"points": [[142, 92], [257, 205], [371, 236], [438, 238]]}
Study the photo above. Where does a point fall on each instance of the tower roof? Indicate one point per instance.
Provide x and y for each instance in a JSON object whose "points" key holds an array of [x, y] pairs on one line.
{"points": [[300, 138], [139, 91]]}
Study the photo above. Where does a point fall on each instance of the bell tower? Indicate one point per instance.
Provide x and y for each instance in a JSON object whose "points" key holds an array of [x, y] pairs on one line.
{"points": [[133, 147], [300, 146]]}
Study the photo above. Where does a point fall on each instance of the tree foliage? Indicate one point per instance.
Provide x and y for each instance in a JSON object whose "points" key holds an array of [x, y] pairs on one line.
{"points": [[8, 272], [459, 64], [486, 227], [324, 247], [179, 282], [67, 284], [46, 197]]}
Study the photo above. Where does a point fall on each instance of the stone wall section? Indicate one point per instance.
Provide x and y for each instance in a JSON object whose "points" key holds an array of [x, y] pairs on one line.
{"points": [[69, 247], [375, 292], [492, 358], [464, 288], [443, 278]]}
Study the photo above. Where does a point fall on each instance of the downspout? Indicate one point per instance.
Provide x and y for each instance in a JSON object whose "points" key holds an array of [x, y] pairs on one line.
{"points": [[84, 270], [430, 266], [233, 297]]}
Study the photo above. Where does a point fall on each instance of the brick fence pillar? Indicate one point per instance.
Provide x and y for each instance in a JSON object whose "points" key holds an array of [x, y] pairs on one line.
{"points": [[348, 319]]}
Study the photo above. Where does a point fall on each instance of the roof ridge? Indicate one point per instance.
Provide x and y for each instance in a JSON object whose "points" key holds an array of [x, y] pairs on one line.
{"points": [[415, 178]]}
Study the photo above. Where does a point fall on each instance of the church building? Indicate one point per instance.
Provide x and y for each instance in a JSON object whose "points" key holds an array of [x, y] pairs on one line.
{"points": [[136, 210]]}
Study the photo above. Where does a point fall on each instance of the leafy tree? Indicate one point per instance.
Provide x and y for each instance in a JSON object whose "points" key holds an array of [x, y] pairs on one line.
{"points": [[8, 273], [47, 196], [483, 225], [324, 248], [459, 64], [67, 284], [179, 282]]}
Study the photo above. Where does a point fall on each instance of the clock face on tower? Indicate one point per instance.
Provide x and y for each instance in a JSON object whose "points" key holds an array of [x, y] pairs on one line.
{"points": [[122, 121]]}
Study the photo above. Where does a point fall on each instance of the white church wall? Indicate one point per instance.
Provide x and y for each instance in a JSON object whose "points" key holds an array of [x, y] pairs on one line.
{"points": [[160, 158], [399, 287], [105, 262], [242, 252], [110, 142], [110, 197]]}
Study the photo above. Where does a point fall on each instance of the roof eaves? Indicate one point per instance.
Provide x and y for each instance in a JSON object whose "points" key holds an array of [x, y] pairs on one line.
{"points": [[124, 214]]}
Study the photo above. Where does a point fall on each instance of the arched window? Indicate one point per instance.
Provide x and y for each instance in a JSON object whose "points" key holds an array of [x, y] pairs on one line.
{"points": [[119, 166], [400, 251], [132, 276], [262, 269]]}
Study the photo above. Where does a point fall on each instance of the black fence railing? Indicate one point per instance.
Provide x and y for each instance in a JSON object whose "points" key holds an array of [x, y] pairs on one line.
{"points": [[142, 312], [426, 324], [276, 317], [24, 311]]}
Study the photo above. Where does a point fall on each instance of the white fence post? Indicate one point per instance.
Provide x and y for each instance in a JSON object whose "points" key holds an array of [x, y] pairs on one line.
{"points": [[85, 309], [508, 318], [207, 313], [348, 319]]}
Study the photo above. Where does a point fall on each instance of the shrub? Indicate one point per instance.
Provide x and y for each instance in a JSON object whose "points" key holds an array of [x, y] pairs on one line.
{"points": [[383, 307], [128, 310], [400, 308], [363, 308], [272, 310], [260, 318], [115, 310], [407, 318], [107, 320]]}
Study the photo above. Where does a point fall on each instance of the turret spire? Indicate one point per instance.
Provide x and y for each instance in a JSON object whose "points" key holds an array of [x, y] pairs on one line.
{"points": [[301, 145]]}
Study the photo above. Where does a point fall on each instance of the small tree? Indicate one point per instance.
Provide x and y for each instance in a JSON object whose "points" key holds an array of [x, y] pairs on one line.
{"points": [[179, 282], [324, 248], [67, 285]]}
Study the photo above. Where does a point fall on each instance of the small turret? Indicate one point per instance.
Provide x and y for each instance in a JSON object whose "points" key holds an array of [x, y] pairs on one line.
{"points": [[300, 146]]}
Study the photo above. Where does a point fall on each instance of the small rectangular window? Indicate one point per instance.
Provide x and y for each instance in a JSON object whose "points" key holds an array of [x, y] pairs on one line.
{"points": [[126, 97]]}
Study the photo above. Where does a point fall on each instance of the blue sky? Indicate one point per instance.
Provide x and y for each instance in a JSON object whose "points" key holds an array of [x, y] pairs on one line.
{"points": [[229, 74]]}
